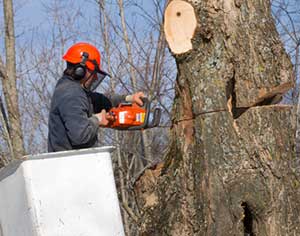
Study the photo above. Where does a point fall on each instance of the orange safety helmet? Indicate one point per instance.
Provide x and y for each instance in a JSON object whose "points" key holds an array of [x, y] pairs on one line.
{"points": [[85, 56], [75, 55]]}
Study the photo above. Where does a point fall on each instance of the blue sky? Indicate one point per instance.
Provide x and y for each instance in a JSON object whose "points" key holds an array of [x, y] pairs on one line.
{"points": [[33, 15]]}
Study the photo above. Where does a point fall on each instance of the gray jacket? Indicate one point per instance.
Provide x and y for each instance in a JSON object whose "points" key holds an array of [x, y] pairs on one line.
{"points": [[71, 122]]}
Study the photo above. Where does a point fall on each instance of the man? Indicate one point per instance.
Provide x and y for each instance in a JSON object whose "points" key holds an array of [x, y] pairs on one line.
{"points": [[76, 111]]}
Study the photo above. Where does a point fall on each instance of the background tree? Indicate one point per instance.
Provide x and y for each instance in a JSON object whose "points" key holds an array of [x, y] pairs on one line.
{"points": [[13, 129], [39, 66], [287, 17], [137, 61]]}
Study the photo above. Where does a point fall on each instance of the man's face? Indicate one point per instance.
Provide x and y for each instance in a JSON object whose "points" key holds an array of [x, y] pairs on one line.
{"points": [[89, 78]]}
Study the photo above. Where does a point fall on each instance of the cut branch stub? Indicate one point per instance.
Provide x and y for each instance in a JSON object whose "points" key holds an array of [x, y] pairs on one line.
{"points": [[179, 26]]}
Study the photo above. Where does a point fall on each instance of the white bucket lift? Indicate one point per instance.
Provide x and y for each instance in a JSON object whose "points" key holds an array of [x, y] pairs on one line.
{"points": [[60, 194]]}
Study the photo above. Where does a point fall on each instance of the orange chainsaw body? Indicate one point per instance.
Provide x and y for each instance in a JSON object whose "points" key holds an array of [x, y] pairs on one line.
{"points": [[131, 116], [127, 115]]}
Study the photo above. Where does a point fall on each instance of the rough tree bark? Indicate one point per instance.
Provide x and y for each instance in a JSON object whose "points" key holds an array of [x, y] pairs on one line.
{"points": [[8, 75], [230, 167]]}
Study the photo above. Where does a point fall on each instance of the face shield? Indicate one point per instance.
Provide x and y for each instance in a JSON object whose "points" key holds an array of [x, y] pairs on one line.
{"points": [[97, 75], [98, 78]]}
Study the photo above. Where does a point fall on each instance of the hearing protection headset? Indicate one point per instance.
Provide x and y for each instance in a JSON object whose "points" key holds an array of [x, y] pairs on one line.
{"points": [[80, 69]]}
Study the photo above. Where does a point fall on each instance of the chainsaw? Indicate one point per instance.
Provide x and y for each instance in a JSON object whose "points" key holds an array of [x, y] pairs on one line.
{"points": [[131, 116]]}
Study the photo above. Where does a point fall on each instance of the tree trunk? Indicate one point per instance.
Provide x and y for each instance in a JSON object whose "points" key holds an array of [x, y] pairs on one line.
{"points": [[9, 82], [231, 168], [3, 119]]}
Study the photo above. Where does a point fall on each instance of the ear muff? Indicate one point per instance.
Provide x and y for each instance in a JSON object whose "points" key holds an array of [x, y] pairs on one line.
{"points": [[80, 69]]}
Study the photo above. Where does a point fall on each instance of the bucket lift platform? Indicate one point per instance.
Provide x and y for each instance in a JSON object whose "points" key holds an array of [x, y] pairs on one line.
{"points": [[63, 194]]}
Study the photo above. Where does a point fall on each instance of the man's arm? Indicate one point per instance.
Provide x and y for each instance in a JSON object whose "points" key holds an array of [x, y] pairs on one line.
{"points": [[106, 102], [100, 102]]}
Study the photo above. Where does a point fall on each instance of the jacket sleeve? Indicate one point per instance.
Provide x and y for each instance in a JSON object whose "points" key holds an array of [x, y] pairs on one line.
{"points": [[116, 99], [101, 101], [81, 129]]}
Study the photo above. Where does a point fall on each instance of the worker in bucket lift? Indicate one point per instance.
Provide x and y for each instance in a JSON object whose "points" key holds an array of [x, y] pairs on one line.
{"points": [[76, 111]]}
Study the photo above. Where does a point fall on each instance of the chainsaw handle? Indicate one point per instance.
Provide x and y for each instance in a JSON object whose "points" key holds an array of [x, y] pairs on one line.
{"points": [[155, 119], [146, 103], [146, 106]]}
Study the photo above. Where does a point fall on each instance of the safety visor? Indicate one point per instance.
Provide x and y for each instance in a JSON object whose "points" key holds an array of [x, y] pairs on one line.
{"points": [[99, 78]]}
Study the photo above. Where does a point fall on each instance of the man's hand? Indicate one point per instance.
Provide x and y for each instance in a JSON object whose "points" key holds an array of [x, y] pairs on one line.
{"points": [[136, 98], [104, 118]]}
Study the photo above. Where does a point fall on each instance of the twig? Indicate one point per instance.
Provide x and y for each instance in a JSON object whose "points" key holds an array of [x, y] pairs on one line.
{"points": [[130, 212]]}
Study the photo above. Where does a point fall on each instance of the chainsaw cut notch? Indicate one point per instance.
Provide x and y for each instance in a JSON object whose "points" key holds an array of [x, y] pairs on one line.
{"points": [[273, 97]]}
